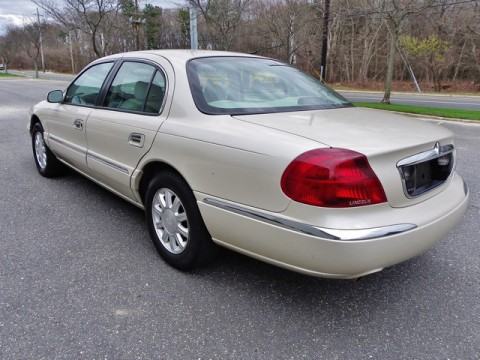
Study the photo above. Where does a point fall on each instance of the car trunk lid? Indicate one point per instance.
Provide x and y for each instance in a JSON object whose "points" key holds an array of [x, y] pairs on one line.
{"points": [[384, 137]]}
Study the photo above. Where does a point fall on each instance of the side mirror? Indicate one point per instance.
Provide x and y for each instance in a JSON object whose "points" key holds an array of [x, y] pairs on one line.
{"points": [[55, 96]]}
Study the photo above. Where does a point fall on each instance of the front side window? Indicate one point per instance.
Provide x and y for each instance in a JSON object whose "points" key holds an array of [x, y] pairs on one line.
{"points": [[86, 88], [244, 85], [136, 87]]}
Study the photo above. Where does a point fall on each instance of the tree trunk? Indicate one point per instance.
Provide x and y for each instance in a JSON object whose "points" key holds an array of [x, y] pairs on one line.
{"points": [[352, 51], [390, 65], [35, 66], [459, 62], [94, 44], [437, 82]]}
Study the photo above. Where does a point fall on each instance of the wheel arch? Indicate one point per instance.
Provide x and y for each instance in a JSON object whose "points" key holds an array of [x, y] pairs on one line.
{"points": [[33, 120], [150, 169]]}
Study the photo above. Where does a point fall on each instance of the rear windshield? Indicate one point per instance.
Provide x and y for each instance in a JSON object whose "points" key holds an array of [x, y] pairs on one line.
{"points": [[243, 85]]}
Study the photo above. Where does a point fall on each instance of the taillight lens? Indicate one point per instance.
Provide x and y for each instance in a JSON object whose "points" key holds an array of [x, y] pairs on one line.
{"points": [[332, 177]]}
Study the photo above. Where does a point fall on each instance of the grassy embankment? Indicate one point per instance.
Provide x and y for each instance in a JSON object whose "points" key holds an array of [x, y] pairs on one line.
{"points": [[7, 75], [424, 110]]}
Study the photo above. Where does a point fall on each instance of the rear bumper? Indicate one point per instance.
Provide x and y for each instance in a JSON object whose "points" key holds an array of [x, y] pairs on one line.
{"points": [[328, 254]]}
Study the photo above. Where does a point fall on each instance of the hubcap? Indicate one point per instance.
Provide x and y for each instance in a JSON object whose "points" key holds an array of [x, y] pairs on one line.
{"points": [[40, 150], [170, 220]]}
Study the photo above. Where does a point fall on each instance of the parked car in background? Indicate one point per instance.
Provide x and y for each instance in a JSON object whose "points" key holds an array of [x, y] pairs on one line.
{"points": [[251, 154], [2, 66]]}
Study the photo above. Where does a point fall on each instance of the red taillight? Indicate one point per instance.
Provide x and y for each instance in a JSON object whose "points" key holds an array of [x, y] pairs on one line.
{"points": [[332, 178]]}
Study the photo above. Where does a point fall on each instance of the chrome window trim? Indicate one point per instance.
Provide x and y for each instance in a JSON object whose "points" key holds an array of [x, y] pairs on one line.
{"points": [[437, 151], [108, 84], [84, 70], [320, 232], [117, 63]]}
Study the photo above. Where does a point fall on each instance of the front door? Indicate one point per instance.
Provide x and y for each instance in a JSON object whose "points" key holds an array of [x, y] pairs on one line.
{"points": [[68, 120], [123, 130]]}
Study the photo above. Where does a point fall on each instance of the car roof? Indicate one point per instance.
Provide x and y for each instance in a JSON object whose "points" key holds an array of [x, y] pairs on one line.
{"points": [[178, 55]]}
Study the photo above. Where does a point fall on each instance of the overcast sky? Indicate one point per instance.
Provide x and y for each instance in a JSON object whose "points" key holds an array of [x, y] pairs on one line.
{"points": [[16, 12]]}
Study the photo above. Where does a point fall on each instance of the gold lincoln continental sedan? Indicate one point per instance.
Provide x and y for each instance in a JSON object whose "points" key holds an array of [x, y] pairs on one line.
{"points": [[249, 153]]}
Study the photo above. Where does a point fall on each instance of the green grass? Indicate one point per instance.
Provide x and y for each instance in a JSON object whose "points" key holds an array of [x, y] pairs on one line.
{"points": [[424, 110], [7, 75]]}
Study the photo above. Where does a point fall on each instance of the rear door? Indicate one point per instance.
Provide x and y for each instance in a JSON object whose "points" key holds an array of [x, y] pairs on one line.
{"points": [[123, 129], [67, 121]]}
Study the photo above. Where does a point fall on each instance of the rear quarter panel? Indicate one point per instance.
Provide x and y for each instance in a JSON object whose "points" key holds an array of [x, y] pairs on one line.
{"points": [[229, 159]]}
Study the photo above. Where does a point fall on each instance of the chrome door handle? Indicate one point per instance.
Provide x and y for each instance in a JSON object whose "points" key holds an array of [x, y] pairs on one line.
{"points": [[78, 124], [136, 139]]}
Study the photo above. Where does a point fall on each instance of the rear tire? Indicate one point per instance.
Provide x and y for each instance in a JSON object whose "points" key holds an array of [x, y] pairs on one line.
{"points": [[175, 224], [47, 163]]}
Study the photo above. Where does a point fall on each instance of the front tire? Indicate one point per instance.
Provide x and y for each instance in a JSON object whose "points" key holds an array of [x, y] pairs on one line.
{"points": [[46, 162], [175, 224]]}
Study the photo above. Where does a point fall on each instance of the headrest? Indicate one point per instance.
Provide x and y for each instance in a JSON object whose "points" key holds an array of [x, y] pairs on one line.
{"points": [[141, 89]]}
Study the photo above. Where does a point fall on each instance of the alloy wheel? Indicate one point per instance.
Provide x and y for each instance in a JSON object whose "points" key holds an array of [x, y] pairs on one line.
{"points": [[40, 150], [170, 220]]}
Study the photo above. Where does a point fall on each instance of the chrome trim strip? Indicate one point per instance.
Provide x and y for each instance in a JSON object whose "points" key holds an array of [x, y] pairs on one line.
{"points": [[76, 148], [257, 215], [437, 151], [325, 233], [108, 163], [428, 155], [371, 233]]}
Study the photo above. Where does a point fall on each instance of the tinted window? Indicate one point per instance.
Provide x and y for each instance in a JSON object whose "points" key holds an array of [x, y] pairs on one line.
{"points": [[85, 89], [130, 88], [242, 85]]}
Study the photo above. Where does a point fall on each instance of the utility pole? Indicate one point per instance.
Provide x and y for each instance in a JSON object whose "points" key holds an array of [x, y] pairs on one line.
{"points": [[323, 60], [137, 21], [71, 51], [137, 28], [40, 40], [193, 29]]}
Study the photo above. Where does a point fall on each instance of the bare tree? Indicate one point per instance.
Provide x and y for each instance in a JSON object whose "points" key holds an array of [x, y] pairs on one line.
{"points": [[395, 13], [222, 19], [31, 44], [88, 16], [363, 36], [8, 47]]}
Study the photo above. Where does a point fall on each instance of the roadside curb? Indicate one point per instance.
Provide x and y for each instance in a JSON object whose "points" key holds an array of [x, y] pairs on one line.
{"points": [[49, 76], [431, 117], [408, 93]]}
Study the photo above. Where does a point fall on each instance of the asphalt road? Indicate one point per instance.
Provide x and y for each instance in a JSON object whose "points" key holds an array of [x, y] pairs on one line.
{"points": [[80, 279], [432, 100]]}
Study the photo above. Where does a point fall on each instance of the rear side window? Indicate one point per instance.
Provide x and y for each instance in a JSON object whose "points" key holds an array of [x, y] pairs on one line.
{"points": [[86, 88], [136, 87]]}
